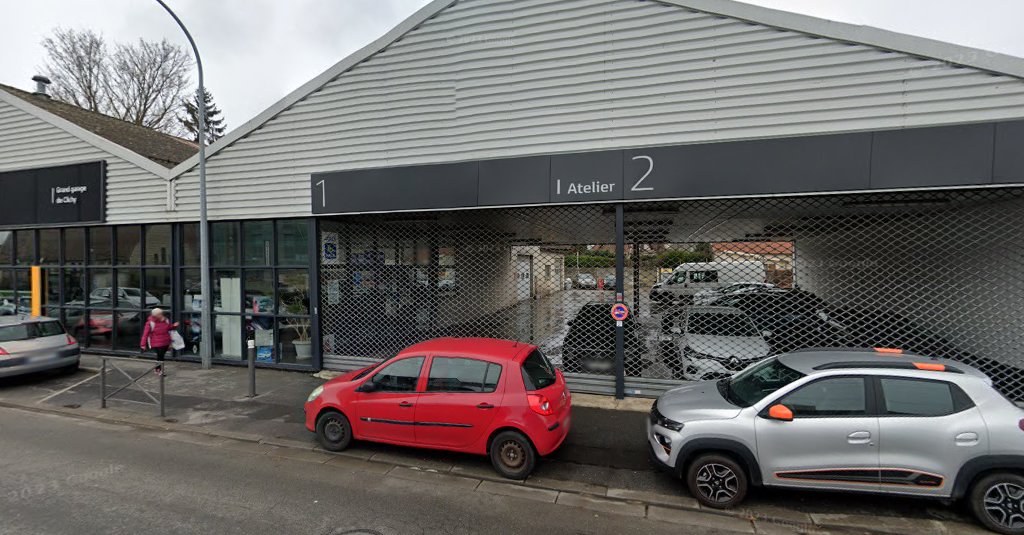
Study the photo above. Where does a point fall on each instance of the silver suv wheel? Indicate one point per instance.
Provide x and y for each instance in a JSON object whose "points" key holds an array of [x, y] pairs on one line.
{"points": [[717, 482], [1004, 503]]}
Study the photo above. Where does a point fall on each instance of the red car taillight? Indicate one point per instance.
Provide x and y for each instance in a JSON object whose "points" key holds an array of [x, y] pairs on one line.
{"points": [[71, 340], [540, 404]]}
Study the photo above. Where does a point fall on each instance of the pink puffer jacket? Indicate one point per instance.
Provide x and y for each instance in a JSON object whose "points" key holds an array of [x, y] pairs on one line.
{"points": [[157, 333]]}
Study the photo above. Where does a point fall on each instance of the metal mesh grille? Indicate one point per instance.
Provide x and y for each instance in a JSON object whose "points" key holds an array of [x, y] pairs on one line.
{"points": [[713, 285]]}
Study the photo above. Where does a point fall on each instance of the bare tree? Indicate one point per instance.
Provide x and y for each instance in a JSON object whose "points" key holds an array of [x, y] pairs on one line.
{"points": [[147, 82], [77, 65], [143, 82]]}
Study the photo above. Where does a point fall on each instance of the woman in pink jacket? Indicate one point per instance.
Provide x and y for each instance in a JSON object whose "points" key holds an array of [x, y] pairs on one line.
{"points": [[156, 335]]}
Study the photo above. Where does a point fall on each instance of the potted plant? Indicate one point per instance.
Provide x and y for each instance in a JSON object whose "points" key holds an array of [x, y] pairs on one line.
{"points": [[296, 303]]}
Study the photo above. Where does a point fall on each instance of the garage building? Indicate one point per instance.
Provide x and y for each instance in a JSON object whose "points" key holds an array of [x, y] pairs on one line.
{"points": [[512, 168]]}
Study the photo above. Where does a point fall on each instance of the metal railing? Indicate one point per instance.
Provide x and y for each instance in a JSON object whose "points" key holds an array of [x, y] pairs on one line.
{"points": [[133, 381]]}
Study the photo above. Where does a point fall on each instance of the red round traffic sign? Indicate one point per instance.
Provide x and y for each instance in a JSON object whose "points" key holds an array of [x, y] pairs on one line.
{"points": [[620, 311]]}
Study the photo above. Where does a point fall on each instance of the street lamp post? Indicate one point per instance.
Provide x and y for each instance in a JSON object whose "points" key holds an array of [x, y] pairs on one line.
{"points": [[205, 329]]}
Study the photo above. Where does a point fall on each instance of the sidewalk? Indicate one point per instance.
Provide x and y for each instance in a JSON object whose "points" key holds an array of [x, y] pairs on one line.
{"points": [[603, 463]]}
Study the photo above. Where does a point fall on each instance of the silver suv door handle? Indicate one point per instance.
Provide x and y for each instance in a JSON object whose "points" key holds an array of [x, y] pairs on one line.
{"points": [[966, 439], [859, 437]]}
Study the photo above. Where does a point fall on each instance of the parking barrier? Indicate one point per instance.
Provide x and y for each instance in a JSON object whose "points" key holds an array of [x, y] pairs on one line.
{"points": [[133, 381]]}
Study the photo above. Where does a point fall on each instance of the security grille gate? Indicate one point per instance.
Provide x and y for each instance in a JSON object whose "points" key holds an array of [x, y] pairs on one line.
{"points": [[712, 285]]}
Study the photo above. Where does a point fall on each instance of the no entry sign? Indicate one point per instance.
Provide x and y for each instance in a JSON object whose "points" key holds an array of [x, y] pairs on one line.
{"points": [[620, 311]]}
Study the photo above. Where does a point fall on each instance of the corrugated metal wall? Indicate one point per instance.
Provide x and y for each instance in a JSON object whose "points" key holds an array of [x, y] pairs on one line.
{"points": [[492, 78], [133, 194]]}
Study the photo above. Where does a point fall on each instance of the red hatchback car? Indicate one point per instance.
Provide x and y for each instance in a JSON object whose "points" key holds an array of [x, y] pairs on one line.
{"points": [[492, 397]]}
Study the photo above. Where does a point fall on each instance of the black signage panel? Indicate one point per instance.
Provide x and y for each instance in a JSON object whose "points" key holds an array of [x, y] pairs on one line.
{"points": [[919, 157], [54, 195], [589, 176], [514, 181]]}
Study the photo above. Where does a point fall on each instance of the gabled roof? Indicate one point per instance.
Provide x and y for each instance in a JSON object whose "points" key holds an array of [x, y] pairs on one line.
{"points": [[948, 53], [163, 149]]}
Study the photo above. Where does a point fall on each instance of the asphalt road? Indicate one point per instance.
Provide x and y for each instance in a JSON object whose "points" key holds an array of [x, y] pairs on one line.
{"points": [[67, 475]]}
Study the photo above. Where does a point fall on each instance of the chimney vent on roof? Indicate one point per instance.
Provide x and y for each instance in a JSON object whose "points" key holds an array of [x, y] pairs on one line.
{"points": [[41, 83]]}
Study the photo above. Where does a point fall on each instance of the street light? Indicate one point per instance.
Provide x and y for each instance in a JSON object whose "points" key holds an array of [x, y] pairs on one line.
{"points": [[205, 330]]}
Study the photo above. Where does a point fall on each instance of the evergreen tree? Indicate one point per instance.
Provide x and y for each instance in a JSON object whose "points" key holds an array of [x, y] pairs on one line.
{"points": [[215, 125]]}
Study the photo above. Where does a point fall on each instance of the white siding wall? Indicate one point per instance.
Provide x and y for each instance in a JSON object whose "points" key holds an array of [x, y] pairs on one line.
{"points": [[133, 194], [500, 78]]}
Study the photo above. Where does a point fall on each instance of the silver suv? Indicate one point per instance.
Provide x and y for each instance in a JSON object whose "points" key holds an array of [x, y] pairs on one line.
{"points": [[851, 420]]}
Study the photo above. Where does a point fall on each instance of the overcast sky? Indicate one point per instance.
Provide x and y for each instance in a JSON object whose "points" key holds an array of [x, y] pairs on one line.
{"points": [[257, 51]]}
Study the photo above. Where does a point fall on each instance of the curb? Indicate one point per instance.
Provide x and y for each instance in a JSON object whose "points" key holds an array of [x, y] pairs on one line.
{"points": [[658, 507]]}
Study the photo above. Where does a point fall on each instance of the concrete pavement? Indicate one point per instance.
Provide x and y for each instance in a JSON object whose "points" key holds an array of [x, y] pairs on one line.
{"points": [[603, 458]]}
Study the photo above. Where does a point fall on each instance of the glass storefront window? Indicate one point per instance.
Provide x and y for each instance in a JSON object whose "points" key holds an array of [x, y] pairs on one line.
{"points": [[129, 330], [293, 291], [49, 246], [100, 328], [25, 241], [101, 291], [190, 289], [74, 322], [129, 290], [52, 290], [7, 291], [260, 329], [259, 291], [190, 244], [225, 244], [158, 245], [294, 337], [158, 287], [99, 246], [292, 242], [129, 245], [227, 291], [74, 246], [258, 237], [227, 341], [23, 286], [74, 287], [6, 247]]}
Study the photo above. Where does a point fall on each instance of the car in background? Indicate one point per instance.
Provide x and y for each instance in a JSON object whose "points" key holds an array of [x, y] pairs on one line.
{"points": [[856, 420], [688, 279], [708, 297], [586, 281], [609, 283], [790, 319], [30, 344], [125, 296], [714, 342], [499, 398], [589, 345]]}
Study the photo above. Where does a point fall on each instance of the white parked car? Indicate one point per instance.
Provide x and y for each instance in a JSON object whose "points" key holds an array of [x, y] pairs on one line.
{"points": [[707, 297], [716, 342], [125, 295]]}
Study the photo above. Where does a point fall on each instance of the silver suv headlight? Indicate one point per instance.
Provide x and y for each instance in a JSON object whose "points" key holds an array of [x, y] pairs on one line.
{"points": [[315, 393], [669, 424]]}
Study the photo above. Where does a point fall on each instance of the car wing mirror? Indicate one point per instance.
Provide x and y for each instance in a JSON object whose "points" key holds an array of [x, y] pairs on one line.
{"points": [[368, 386], [780, 412]]}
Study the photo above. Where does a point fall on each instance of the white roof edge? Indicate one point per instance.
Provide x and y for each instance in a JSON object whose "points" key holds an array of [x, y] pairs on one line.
{"points": [[898, 42], [943, 51], [407, 25], [95, 140]]}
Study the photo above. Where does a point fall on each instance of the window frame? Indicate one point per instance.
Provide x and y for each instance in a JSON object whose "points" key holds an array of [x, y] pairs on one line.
{"points": [[487, 371], [961, 400], [870, 397], [419, 376]]}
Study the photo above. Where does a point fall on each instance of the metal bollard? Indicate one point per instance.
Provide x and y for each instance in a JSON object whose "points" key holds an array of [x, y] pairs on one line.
{"points": [[162, 391], [252, 368], [103, 383]]}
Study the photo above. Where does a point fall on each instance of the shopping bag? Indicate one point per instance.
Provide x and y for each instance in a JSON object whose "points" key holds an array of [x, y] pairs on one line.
{"points": [[177, 342]]}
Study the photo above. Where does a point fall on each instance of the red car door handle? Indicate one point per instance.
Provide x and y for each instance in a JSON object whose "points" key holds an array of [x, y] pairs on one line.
{"points": [[405, 404], [485, 405]]}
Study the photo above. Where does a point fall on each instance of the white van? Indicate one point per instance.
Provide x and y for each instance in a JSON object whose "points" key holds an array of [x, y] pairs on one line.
{"points": [[688, 279]]}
